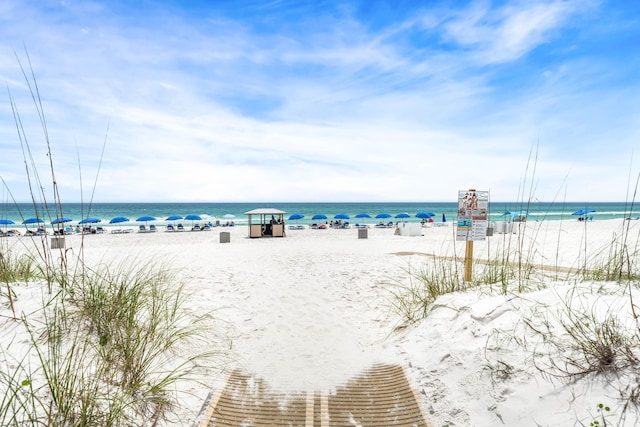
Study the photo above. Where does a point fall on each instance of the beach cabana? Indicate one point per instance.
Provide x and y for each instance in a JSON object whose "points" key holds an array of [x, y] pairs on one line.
{"points": [[266, 222]]}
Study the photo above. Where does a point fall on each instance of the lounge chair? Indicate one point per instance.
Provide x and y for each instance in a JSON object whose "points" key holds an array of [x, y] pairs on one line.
{"points": [[196, 227], [170, 227], [142, 229], [180, 227], [100, 230], [206, 227], [152, 228]]}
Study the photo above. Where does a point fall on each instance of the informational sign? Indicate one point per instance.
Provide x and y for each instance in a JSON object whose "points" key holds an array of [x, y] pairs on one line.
{"points": [[472, 215]]}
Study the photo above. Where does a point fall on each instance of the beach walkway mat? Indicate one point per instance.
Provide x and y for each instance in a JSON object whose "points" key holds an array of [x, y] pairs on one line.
{"points": [[378, 397]]}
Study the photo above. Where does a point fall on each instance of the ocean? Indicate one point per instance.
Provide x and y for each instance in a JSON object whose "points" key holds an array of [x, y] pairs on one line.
{"points": [[236, 211]]}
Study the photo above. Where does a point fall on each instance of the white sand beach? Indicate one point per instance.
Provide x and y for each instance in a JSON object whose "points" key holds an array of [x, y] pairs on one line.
{"points": [[313, 309]]}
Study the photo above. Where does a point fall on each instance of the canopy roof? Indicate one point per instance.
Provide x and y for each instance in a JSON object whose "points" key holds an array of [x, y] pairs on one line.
{"points": [[265, 211]]}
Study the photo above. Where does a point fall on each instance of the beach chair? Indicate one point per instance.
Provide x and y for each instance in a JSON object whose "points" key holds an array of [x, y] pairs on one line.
{"points": [[206, 227], [142, 229], [180, 227], [152, 228], [170, 227], [196, 228], [100, 230]]}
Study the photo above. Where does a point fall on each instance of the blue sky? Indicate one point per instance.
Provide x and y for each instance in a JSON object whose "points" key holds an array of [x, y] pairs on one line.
{"points": [[323, 100]]}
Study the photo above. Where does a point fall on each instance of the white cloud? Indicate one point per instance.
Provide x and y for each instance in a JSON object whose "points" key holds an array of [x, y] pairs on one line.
{"points": [[506, 34]]}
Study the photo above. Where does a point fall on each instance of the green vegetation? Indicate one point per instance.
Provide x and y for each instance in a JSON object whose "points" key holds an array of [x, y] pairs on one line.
{"points": [[109, 350]]}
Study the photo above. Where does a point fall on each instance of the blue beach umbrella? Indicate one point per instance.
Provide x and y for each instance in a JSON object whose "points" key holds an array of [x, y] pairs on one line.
{"points": [[118, 219], [61, 220], [514, 213], [6, 222], [319, 216], [424, 215], [32, 221], [403, 215], [583, 212], [174, 218], [146, 218], [383, 215], [90, 220], [193, 218], [363, 215], [341, 216], [296, 216]]}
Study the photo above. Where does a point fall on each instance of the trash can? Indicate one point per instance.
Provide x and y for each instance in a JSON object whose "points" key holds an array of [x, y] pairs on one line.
{"points": [[362, 233], [57, 242], [225, 237]]}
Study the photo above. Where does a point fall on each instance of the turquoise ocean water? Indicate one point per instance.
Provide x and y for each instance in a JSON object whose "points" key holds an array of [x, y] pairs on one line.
{"points": [[224, 211]]}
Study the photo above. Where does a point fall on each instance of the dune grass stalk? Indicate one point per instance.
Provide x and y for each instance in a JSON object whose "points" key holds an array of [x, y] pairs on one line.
{"points": [[138, 319], [110, 342]]}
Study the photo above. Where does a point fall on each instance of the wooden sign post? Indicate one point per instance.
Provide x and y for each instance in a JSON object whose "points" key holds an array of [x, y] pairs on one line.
{"points": [[468, 261]]}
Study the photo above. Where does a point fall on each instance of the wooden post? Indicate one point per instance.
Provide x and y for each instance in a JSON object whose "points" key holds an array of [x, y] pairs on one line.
{"points": [[468, 261]]}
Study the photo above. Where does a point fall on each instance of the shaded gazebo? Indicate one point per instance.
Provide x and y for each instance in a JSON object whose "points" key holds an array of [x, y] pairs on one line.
{"points": [[266, 222]]}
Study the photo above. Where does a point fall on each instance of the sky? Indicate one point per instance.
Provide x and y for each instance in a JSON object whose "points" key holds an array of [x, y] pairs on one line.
{"points": [[285, 101]]}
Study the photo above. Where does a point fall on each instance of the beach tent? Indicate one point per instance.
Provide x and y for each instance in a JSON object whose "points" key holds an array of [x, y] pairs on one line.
{"points": [[266, 222]]}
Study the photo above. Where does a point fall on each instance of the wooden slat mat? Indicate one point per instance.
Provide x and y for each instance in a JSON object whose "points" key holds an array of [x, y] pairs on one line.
{"points": [[379, 397]]}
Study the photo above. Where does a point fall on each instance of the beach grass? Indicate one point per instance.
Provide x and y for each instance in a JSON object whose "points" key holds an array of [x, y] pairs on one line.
{"points": [[109, 342], [109, 349]]}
